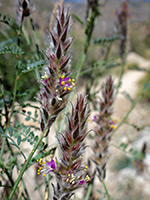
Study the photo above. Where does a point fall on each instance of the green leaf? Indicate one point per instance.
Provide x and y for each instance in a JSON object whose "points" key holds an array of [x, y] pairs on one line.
{"points": [[127, 95], [32, 66], [21, 126], [16, 134], [31, 135], [28, 130], [1, 130], [123, 145], [36, 115], [28, 118], [18, 139], [10, 130], [17, 123], [29, 113], [29, 140], [1, 103], [78, 19], [106, 40], [24, 139], [11, 50], [36, 138]]}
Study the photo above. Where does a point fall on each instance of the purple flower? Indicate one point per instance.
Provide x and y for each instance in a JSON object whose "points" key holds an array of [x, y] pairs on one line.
{"points": [[46, 167], [66, 82], [94, 118], [81, 182]]}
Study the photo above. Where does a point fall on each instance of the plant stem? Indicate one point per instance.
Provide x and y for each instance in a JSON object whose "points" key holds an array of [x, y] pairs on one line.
{"points": [[6, 171], [26, 165], [120, 78], [36, 44], [89, 192], [127, 114], [105, 188]]}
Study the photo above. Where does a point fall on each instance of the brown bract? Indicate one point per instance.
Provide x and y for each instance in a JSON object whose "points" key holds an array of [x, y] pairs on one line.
{"points": [[70, 172], [55, 82]]}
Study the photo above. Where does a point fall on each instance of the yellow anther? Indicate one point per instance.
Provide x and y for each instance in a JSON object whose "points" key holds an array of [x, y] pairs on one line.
{"points": [[44, 77], [62, 76], [73, 83], [43, 162], [44, 174], [72, 176], [68, 174], [40, 168], [84, 169], [69, 80], [112, 126], [73, 80], [87, 177], [69, 88], [63, 82], [86, 166], [65, 88], [38, 173], [37, 160]]}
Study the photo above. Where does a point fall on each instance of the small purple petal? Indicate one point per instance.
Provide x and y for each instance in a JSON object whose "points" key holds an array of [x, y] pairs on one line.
{"points": [[49, 171], [81, 182], [53, 164], [66, 79], [94, 119]]}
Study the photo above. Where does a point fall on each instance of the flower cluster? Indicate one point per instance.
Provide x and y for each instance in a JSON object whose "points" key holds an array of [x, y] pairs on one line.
{"points": [[56, 82], [69, 169], [66, 82], [105, 125], [122, 26]]}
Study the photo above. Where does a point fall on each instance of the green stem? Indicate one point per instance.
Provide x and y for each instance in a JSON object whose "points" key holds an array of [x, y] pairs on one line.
{"points": [[36, 44], [119, 81], [89, 192], [6, 171], [105, 188], [47, 180], [35, 37], [127, 114], [13, 155], [26, 165], [89, 29], [90, 187], [14, 97], [107, 52]]}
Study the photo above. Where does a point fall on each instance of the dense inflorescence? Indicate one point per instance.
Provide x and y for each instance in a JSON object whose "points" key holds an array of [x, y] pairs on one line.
{"points": [[69, 170], [105, 125], [56, 82], [122, 26]]}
